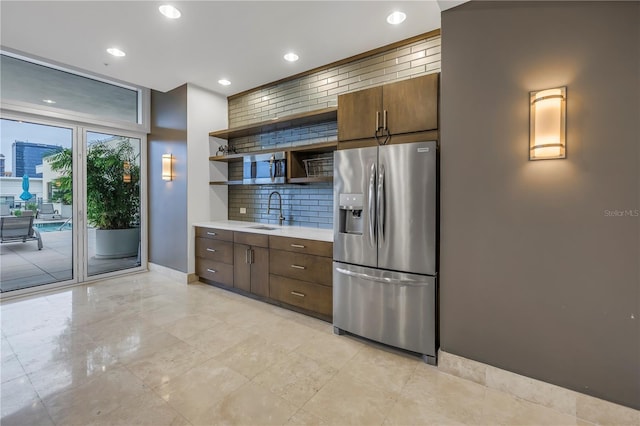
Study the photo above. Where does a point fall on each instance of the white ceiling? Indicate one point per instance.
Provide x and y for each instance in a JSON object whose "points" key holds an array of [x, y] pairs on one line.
{"points": [[243, 41]]}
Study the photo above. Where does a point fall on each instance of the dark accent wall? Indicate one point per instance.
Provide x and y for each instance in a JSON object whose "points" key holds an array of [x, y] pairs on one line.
{"points": [[168, 199], [539, 259]]}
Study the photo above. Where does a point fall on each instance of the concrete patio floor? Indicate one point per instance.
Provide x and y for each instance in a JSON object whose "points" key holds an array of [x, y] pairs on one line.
{"points": [[22, 265]]}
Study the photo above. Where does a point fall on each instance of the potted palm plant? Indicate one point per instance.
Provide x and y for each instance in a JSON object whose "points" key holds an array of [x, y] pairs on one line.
{"points": [[113, 194]]}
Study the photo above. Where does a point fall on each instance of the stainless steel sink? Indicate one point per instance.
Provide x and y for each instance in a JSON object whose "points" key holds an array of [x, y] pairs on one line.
{"points": [[263, 227]]}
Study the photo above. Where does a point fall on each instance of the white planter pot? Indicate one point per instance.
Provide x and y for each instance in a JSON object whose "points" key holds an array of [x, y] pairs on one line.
{"points": [[117, 243], [65, 210]]}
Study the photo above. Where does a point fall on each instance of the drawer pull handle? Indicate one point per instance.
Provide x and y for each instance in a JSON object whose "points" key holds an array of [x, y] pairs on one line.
{"points": [[298, 267], [295, 293], [210, 249], [213, 234], [297, 245], [211, 270]]}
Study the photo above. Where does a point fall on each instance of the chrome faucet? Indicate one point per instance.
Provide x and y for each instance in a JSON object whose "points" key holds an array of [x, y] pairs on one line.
{"points": [[280, 218]]}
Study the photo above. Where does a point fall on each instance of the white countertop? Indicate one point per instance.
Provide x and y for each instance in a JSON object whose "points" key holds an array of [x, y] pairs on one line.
{"points": [[281, 231]]}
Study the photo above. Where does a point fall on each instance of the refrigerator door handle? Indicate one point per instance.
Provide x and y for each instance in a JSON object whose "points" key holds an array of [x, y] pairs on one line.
{"points": [[372, 207], [380, 279], [381, 206]]}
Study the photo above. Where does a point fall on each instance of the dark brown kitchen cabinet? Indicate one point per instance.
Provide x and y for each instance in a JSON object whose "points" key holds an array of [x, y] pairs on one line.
{"points": [[214, 255], [251, 263], [295, 273], [300, 274], [407, 106], [300, 266], [311, 297], [359, 114]]}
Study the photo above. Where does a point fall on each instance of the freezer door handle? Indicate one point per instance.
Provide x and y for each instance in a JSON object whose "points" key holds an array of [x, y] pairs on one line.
{"points": [[372, 207], [381, 206], [380, 279]]}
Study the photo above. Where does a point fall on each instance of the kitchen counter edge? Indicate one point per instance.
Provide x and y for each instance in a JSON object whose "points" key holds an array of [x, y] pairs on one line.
{"points": [[318, 234]]}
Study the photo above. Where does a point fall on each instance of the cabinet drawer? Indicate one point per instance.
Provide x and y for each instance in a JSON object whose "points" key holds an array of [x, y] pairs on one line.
{"points": [[251, 239], [214, 234], [313, 297], [300, 266], [298, 245], [220, 251], [215, 271]]}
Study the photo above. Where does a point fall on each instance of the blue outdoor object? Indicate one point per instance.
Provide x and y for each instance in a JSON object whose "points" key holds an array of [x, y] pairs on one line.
{"points": [[25, 187]]}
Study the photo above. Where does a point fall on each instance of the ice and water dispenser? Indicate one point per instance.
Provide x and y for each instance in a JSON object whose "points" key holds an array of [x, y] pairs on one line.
{"points": [[351, 213]]}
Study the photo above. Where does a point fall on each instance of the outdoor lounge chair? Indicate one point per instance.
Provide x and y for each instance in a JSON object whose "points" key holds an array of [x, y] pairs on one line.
{"points": [[7, 199], [47, 212], [18, 228]]}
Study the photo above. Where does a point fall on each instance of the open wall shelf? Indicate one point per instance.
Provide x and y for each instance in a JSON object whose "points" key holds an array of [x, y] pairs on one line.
{"points": [[287, 122], [296, 156]]}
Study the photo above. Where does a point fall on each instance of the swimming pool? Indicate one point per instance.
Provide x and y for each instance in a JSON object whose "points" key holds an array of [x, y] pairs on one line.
{"points": [[53, 226]]}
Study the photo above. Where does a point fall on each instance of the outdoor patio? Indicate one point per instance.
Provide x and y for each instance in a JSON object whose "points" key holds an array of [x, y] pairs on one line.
{"points": [[22, 265]]}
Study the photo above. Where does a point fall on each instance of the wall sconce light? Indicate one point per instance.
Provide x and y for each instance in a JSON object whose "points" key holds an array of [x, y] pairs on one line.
{"points": [[167, 167], [126, 174], [547, 124]]}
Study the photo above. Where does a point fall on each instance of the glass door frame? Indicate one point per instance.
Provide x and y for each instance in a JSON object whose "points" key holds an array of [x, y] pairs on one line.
{"points": [[79, 216], [84, 267]]}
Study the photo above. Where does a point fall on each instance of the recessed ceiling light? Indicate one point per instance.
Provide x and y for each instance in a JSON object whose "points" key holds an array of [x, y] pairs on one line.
{"points": [[396, 18], [48, 101], [224, 82], [291, 57], [115, 51], [169, 11]]}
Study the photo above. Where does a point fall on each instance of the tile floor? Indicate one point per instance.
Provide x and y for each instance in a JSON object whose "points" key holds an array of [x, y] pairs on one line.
{"points": [[148, 350]]}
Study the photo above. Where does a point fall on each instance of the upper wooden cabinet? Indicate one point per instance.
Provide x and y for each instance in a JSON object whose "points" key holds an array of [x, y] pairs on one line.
{"points": [[407, 106], [359, 114]]}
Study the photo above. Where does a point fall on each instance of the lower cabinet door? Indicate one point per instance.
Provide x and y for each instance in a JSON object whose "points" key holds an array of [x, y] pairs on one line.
{"points": [[241, 267], [313, 297], [260, 271], [251, 269], [215, 271]]}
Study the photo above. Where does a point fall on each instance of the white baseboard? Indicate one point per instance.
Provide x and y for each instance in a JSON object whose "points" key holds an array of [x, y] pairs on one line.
{"points": [[567, 401], [179, 276]]}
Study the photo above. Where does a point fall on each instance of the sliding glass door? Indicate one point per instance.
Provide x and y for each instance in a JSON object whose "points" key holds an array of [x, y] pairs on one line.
{"points": [[113, 203], [38, 204], [71, 203]]}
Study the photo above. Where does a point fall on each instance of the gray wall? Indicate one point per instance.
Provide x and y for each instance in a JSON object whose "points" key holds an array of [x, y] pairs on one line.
{"points": [[537, 277], [168, 199]]}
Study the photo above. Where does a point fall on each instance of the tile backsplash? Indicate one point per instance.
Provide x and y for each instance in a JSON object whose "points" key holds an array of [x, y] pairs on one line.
{"points": [[302, 205], [312, 204]]}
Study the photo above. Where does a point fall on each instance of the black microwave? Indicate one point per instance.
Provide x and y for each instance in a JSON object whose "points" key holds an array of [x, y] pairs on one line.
{"points": [[265, 168]]}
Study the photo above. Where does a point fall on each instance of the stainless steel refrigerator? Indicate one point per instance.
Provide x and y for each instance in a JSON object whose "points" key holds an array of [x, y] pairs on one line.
{"points": [[384, 269]]}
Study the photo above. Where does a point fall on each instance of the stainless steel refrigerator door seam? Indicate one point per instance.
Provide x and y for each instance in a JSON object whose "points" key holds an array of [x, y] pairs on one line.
{"points": [[372, 208], [381, 206]]}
